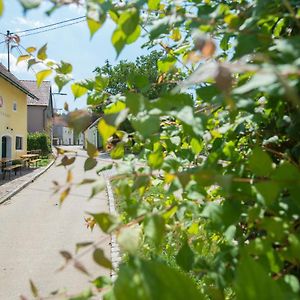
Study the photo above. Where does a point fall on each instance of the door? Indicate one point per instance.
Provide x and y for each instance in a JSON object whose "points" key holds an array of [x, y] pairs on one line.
{"points": [[4, 146]]}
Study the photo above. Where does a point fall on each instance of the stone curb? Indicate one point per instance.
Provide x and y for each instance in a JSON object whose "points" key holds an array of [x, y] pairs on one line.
{"points": [[23, 185], [114, 248]]}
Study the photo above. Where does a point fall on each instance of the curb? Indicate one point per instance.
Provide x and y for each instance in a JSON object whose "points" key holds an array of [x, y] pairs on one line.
{"points": [[22, 186], [114, 249]]}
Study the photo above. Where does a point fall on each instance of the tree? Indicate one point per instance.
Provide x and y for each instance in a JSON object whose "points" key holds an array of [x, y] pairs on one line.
{"points": [[140, 76], [214, 211]]}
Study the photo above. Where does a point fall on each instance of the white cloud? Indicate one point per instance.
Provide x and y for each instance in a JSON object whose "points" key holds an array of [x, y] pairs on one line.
{"points": [[20, 69], [27, 22]]}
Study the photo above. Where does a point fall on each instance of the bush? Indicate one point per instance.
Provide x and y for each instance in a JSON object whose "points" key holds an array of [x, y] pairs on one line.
{"points": [[39, 140]]}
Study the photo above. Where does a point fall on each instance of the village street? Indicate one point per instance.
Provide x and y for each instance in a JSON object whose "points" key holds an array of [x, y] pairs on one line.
{"points": [[34, 229]]}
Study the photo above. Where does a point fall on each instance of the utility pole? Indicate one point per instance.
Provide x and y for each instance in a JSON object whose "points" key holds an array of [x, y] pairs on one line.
{"points": [[8, 50]]}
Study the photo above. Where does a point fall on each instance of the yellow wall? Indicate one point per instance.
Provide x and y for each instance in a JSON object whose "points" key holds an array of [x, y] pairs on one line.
{"points": [[13, 123]]}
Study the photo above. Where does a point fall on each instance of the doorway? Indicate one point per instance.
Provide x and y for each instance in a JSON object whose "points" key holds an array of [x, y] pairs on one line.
{"points": [[6, 147]]}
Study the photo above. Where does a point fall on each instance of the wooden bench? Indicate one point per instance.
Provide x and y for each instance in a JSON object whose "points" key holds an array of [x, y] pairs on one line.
{"points": [[34, 161], [11, 168]]}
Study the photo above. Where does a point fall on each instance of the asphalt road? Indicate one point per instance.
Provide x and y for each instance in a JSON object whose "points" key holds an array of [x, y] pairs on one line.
{"points": [[33, 229]]}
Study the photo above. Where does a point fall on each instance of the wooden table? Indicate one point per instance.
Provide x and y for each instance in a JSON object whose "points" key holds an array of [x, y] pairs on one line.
{"points": [[30, 156], [4, 161]]}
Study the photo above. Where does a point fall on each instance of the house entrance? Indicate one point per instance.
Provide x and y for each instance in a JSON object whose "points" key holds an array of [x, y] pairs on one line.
{"points": [[6, 147]]}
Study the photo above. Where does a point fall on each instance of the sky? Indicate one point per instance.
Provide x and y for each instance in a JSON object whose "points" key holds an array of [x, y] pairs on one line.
{"points": [[71, 44]]}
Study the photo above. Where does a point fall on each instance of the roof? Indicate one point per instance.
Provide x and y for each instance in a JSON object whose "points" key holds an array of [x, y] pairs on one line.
{"points": [[93, 124], [43, 93], [11, 78]]}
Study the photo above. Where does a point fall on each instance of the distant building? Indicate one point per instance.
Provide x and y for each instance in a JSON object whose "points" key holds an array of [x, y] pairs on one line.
{"points": [[79, 139], [40, 111], [63, 135], [13, 115], [92, 135]]}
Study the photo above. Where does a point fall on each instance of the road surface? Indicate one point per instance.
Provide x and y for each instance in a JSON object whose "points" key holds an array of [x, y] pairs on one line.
{"points": [[33, 229]]}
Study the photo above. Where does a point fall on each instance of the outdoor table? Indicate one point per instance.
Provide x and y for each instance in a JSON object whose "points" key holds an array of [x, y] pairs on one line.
{"points": [[4, 161], [28, 157]]}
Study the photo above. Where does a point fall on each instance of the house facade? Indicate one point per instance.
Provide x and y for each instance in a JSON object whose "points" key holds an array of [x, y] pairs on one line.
{"points": [[63, 135], [92, 135], [13, 115], [40, 111], [79, 139]]}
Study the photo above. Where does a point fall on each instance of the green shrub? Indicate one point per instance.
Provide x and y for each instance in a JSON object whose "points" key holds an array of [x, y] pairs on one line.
{"points": [[39, 140]]}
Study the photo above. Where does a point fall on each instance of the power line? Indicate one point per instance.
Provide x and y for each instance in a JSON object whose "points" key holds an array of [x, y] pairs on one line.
{"points": [[49, 25], [50, 29]]}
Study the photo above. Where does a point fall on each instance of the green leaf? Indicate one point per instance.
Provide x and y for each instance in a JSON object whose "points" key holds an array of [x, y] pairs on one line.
{"points": [[66, 161], [118, 40], [118, 151], [134, 35], [155, 159], [115, 107], [94, 25], [129, 238], [89, 164], [33, 289], [185, 257], [82, 245], [206, 93], [61, 81], [135, 103], [165, 64], [106, 222], [152, 280], [293, 282], [78, 90], [109, 124], [146, 125], [30, 49], [41, 76], [101, 282], [106, 130], [96, 189], [257, 81], [128, 21], [42, 55], [154, 227], [253, 280], [64, 68], [1, 7], [23, 57], [92, 151], [268, 190], [260, 163], [64, 194], [196, 146], [30, 4], [100, 258], [86, 295], [153, 4], [31, 62]]}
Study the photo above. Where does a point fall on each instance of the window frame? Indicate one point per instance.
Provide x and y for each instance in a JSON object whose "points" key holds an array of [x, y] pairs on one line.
{"points": [[16, 143], [15, 106]]}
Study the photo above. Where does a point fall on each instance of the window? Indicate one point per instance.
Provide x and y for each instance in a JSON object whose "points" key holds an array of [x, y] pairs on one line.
{"points": [[15, 106], [19, 143]]}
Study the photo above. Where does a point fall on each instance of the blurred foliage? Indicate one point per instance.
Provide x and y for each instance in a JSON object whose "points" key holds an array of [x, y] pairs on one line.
{"points": [[39, 141], [222, 145]]}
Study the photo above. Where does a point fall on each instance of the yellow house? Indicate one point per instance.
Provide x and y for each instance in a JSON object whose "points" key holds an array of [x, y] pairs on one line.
{"points": [[13, 115]]}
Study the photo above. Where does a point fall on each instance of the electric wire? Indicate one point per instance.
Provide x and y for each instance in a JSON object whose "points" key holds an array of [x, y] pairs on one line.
{"points": [[50, 29], [49, 25]]}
